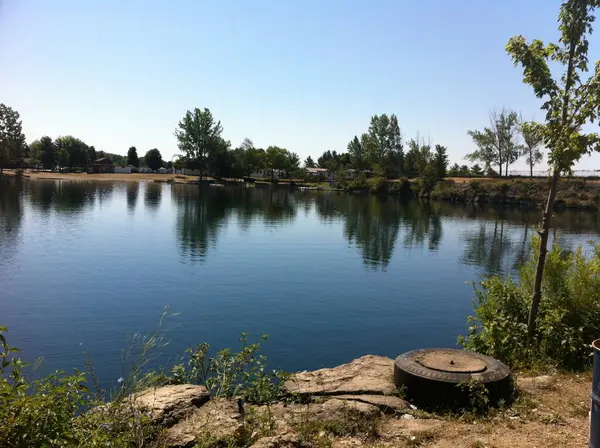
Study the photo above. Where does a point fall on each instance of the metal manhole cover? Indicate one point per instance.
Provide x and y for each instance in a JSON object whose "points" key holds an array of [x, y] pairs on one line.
{"points": [[452, 361]]}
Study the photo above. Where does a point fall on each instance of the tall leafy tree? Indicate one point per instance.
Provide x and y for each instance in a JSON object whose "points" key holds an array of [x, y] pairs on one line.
{"points": [[440, 161], [77, 150], [356, 150], [309, 162], [275, 159], [418, 158], [533, 140], [62, 156], [199, 136], [293, 162], [383, 144], [45, 151], [132, 157], [92, 156], [570, 102], [498, 144], [154, 159], [12, 139]]}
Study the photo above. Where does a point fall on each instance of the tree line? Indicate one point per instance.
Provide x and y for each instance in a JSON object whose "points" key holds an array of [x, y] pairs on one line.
{"points": [[380, 151], [64, 152]]}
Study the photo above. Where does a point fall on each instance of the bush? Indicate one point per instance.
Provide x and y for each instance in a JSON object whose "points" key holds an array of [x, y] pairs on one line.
{"points": [[567, 322], [378, 185]]}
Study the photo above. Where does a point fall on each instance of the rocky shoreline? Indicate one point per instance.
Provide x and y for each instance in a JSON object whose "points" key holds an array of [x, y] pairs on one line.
{"points": [[355, 404]]}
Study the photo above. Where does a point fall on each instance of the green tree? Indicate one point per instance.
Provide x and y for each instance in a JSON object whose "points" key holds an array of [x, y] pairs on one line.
{"points": [[77, 150], [92, 156], [45, 151], [356, 150], [309, 162], [154, 159], [418, 157], [570, 103], [382, 145], [440, 161], [454, 170], [498, 144], [275, 159], [292, 163], [132, 157], [532, 139], [199, 136], [12, 139], [63, 158], [464, 171], [476, 170]]}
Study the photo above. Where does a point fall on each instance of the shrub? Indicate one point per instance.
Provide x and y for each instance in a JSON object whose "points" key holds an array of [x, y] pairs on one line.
{"points": [[378, 185], [568, 319], [60, 411]]}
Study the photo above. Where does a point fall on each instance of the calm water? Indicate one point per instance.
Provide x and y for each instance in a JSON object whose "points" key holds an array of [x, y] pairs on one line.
{"points": [[330, 277]]}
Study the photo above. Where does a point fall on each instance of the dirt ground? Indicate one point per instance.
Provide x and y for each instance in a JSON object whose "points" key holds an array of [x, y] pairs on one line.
{"points": [[552, 412], [133, 177]]}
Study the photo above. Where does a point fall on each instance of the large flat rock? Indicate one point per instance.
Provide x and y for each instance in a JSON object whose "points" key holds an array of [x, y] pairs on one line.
{"points": [[369, 375], [219, 419], [169, 404]]}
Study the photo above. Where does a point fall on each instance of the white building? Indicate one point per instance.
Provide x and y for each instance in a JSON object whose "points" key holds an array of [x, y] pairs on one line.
{"points": [[322, 173], [266, 174], [123, 169]]}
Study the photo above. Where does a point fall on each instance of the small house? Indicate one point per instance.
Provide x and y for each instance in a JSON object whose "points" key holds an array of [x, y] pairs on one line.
{"points": [[321, 173], [125, 169], [102, 165]]}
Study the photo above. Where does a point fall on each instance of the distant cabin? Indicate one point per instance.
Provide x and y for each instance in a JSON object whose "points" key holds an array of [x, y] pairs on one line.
{"points": [[102, 165], [322, 173], [125, 169]]}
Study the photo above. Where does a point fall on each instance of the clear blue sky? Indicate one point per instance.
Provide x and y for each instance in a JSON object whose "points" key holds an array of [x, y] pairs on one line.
{"points": [[305, 75]]}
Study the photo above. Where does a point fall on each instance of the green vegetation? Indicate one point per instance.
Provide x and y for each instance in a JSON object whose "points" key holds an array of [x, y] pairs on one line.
{"points": [[571, 193], [153, 159], [12, 139], [568, 319], [69, 410], [570, 104]]}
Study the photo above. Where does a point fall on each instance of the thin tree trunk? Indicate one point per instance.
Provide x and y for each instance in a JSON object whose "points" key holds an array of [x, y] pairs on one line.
{"points": [[539, 273], [530, 167], [547, 215]]}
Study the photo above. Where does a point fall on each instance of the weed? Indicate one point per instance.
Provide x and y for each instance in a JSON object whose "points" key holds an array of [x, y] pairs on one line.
{"points": [[229, 374]]}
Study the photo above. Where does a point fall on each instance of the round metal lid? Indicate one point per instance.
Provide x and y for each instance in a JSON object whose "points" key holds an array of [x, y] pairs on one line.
{"points": [[452, 361]]}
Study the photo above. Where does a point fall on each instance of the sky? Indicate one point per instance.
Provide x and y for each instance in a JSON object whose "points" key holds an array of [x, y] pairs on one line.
{"points": [[306, 75]]}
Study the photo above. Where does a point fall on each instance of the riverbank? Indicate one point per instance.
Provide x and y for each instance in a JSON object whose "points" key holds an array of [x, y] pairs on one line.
{"points": [[572, 193]]}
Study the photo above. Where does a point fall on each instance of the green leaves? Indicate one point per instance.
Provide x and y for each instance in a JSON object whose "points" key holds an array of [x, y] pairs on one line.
{"points": [[153, 159], [199, 136], [12, 139], [570, 103]]}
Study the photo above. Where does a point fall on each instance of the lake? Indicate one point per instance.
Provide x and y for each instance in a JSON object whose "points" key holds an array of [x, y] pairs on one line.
{"points": [[329, 276]]}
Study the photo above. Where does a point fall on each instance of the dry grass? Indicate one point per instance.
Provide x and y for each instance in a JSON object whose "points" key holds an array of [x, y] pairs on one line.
{"points": [[554, 416]]}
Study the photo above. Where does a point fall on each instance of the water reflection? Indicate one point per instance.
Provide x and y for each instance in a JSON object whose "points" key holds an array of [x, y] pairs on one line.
{"points": [[11, 214], [378, 228], [133, 189], [202, 213], [373, 224], [153, 196]]}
